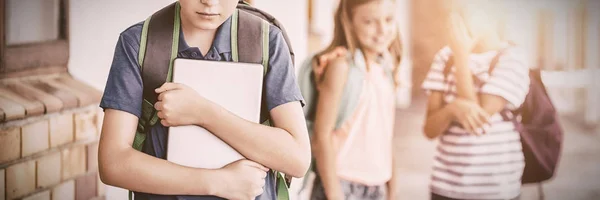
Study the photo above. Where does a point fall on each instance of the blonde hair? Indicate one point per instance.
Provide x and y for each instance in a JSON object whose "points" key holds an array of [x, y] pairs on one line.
{"points": [[343, 36], [486, 13]]}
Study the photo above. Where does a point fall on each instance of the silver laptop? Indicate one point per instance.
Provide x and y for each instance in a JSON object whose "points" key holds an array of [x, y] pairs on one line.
{"points": [[236, 87]]}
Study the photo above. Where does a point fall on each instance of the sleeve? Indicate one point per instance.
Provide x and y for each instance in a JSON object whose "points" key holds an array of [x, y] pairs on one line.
{"points": [[434, 81], [509, 79], [280, 81], [124, 86]]}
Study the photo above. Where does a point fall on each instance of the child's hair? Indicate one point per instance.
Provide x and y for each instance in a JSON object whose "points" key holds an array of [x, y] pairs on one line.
{"points": [[485, 14], [344, 36]]}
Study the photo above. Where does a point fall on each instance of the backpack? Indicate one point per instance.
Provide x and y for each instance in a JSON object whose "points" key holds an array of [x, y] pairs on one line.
{"points": [[539, 127], [349, 98], [159, 47]]}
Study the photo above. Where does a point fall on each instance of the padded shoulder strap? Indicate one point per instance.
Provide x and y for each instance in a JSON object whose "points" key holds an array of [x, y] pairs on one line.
{"points": [[253, 45], [161, 48]]}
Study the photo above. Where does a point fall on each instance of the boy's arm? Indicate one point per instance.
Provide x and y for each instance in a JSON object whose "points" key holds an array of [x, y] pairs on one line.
{"points": [[284, 148], [122, 166]]}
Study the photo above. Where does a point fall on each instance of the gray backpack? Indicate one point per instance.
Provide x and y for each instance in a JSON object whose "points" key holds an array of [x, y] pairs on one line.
{"points": [[349, 99]]}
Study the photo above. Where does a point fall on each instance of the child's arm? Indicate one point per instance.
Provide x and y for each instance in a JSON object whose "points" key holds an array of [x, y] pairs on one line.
{"points": [[122, 166], [330, 92], [438, 116], [284, 148], [462, 44], [508, 84]]}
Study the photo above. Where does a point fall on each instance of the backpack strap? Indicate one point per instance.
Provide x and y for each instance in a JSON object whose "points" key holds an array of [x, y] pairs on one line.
{"points": [[247, 48], [158, 48], [242, 5], [244, 49], [160, 42], [161, 50]]}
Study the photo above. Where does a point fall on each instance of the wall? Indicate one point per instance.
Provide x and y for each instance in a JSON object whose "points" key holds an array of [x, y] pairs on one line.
{"points": [[292, 14], [95, 28]]}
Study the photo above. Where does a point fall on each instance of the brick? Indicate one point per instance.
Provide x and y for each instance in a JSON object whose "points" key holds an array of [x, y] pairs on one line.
{"points": [[61, 130], [73, 162], [64, 191], [10, 144], [51, 103], [48, 170], [2, 185], [85, 125], [32, 107], [35, 138], [82, 98], [12, 110], [68, 99], [92, 157], [45, 195], [85, 187], [20, 179], [89, 91]]}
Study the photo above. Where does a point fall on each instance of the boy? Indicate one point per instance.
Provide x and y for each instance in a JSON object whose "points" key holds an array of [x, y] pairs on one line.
{"points": [[205, 35]]}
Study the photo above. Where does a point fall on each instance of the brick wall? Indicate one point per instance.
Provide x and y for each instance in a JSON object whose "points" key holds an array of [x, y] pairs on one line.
{"points": [[52, 155]]}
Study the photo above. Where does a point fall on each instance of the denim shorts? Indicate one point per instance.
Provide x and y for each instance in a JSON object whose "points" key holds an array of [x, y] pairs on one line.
{"points": [[352, 191]]}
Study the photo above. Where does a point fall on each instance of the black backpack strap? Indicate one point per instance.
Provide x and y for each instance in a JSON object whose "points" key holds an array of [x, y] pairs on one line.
{"points": [[250, 48], [269, 18], [160, 45]]}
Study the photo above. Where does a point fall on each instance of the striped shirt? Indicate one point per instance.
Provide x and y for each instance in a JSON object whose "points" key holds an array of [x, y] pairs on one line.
{"points": [[488, 166]]}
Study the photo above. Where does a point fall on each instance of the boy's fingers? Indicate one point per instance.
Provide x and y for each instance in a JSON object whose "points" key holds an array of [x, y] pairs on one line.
{"points": [[167, 87], [258, 166]]}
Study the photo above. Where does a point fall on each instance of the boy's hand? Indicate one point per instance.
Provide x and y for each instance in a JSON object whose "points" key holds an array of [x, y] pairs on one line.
{"points": [[179, 105], [242, 180], [470, 115]]}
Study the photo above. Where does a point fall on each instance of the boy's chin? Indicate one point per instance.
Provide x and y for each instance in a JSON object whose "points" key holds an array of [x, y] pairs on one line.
{"points": [[207, 25]]}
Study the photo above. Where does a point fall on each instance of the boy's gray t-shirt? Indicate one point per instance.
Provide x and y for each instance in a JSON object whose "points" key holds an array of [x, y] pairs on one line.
{"points": [[124, 87]]}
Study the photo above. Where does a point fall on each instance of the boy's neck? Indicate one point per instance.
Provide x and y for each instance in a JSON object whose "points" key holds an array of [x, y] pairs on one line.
{"points": [[195, 37]]}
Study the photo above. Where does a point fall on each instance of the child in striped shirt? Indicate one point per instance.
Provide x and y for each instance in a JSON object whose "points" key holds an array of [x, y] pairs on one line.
{"points": [[479, 153]]}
